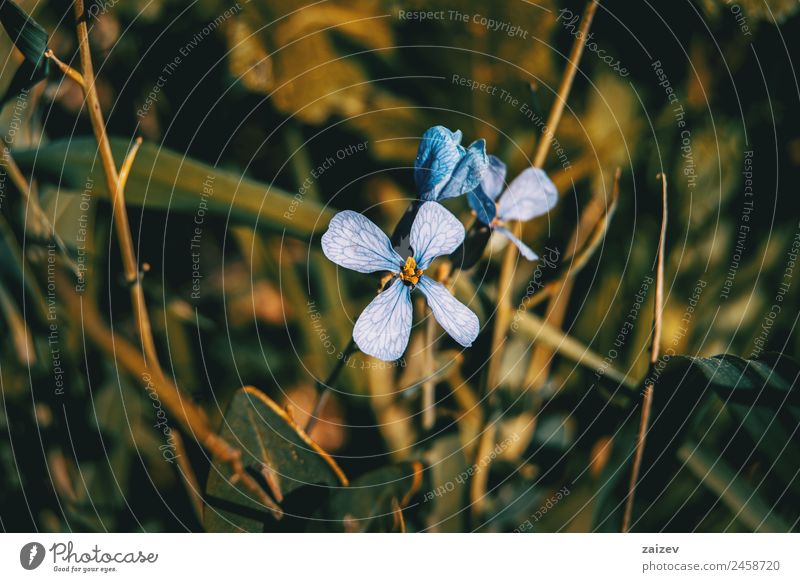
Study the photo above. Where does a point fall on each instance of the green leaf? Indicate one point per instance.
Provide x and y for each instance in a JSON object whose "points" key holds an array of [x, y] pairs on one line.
{"points": [[370, 503], [761, 394], [766, 381], [31, 40], [164, 179], [295, 472], [27, 34]]}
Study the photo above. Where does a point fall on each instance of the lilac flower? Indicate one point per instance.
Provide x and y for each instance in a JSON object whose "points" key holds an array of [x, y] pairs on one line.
{"points": [[529, 195], [383, 328], [444, 168]]}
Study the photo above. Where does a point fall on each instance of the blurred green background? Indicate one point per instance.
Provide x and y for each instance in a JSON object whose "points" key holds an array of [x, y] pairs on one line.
{"points": [[248, 99]]}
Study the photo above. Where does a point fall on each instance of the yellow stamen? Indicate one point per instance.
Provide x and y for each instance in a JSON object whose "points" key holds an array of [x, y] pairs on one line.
{"points": [[496, 220], [409, 273]]}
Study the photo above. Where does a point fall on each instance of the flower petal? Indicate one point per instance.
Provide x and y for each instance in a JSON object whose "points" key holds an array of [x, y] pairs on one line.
{"points": [[494, 178], [383, 328], [529, 195], [484, 207], [435, 232], [524, 249], [354, 242], [457, 319], [482, 198], [468, 172], [437, 157]]}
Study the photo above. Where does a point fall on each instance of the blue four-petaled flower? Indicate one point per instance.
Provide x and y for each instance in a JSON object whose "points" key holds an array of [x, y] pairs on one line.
{"points": [[444, 168], [529, 195], [383, 328]]}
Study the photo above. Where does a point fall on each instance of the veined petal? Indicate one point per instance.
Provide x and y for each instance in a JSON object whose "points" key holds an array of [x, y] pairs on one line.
{"points": [[437, 157], [468, 172], [524, 249], [482, 199], [494, 178], [484, 207], [529, 195], [354, 242], [383, 328], [457, 319], [435, 232]]}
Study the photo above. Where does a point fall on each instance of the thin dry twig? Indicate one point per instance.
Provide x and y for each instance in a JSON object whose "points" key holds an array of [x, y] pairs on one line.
{"points": [[561, 289], [188, 414], [127, 164], [583, 256], [190, 482], [506, 278], [647, 400], [569, 347], [566, 84], [480, 480], [429, 386], [65, 68], [32, 204], [191, 417], [20, 333], [504, 300]]}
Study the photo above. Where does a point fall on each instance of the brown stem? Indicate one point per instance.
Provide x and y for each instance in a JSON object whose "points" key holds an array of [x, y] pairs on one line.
{"points": [[429, 386], [117, 193], [480, 480], [188, 414], [504, 285], [25, 188], [561, 289], [65, 68], [324, 391], [566, 85], [647, 400], [188, 476], [127, 164], [581, 257]]}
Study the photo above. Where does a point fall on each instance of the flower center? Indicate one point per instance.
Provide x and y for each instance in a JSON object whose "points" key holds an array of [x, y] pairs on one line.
{"points": [[409, 273], [496, 221]]}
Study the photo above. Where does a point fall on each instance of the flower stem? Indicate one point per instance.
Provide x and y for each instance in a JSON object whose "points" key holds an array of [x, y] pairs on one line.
{"points": [[429, 386], [566, 85], [324, 388], [189, 415], [647, 399], [504, 285]]}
